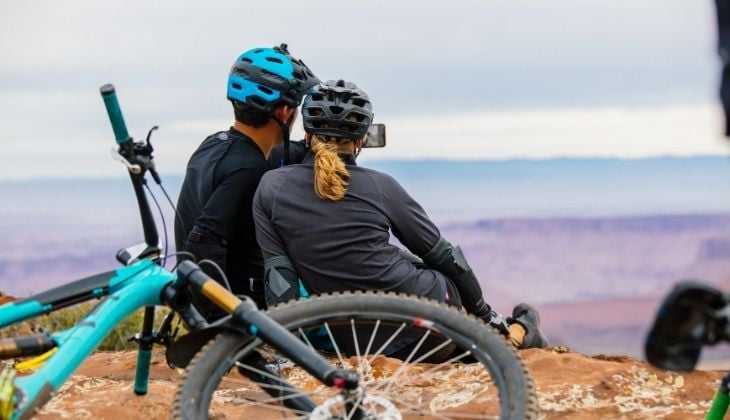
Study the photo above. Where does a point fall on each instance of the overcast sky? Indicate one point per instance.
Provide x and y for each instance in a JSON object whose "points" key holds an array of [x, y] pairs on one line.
{"points": [[457, 79]]}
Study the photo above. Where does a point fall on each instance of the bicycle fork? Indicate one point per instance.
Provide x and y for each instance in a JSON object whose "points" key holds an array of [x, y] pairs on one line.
{"points": [[245, 313]]}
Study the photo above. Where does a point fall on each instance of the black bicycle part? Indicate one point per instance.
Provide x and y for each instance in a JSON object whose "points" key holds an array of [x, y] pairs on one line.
{"points": [[72, 293], [25, 346], [254, 322], [274, 385], [690, 317], [138, 155], [497, 360]]}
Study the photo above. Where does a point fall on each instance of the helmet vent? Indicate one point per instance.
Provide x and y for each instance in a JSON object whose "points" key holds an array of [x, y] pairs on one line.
{"points": [[359, 102], [247, 60], [356, 116], [336, 109], [265, 90], [275, 60], [258, 51], [315, 112], [270, 73], [236, 86], [241, 71]]}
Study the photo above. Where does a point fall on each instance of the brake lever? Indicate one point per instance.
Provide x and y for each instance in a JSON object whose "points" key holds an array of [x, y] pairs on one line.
{"points": [[149, 134]]}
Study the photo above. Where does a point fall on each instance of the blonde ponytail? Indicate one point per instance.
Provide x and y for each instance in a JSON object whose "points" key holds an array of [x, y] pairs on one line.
{"points": [[330, 173]]}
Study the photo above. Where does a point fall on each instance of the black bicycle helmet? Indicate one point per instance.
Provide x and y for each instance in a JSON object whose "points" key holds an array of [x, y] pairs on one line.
{"points": [[265, 78], [339, 109]]}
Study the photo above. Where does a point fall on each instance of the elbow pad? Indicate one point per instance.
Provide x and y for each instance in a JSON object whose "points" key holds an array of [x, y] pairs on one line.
{"points": [[281, 280], [450, 261]]}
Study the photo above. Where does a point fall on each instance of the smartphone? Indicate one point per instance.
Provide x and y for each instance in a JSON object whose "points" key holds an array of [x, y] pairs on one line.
{"points": [[375, 136]]}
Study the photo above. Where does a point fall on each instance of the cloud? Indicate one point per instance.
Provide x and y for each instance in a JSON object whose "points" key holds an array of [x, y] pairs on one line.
{"points": [[603, 132], [411, 55], [469, 70]]}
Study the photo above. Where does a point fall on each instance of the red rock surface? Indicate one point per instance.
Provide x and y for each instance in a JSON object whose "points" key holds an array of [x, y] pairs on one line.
{"points": [[569, 385]]}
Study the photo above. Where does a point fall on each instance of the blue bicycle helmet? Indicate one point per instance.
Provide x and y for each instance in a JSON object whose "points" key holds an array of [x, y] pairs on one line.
{"points": [[265, 78], [339, 109]]}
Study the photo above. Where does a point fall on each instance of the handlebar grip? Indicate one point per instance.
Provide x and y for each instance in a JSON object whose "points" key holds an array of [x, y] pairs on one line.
{"points": [[109, 95], [209, 287]]}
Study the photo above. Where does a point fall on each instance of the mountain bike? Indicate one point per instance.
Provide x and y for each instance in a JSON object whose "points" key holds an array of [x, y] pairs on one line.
{"points": [[354, 355], [692, 315]]}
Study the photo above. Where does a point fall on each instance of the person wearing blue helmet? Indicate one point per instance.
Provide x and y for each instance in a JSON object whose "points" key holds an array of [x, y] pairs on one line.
{"points": [[214, 221], [324, 225]]}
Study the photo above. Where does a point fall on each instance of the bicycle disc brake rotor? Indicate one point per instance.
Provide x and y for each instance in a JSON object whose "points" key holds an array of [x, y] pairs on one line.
{"points": [[375, 407]]}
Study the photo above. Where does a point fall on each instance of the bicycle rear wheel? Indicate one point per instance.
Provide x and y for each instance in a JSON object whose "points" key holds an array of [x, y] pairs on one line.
{"points": [[416, 358]]}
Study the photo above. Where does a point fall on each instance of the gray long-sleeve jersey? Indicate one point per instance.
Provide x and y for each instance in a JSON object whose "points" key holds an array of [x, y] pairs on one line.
{"points": [[344, 245]]}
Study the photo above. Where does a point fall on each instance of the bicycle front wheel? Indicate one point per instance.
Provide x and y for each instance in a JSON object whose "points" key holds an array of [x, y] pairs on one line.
{"points": [[415, 358]]}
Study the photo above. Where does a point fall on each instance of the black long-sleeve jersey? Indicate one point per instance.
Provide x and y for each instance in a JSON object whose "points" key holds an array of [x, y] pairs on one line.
{"points": [[216, 198]]}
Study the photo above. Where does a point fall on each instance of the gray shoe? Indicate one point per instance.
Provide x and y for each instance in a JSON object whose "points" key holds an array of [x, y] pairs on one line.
{"points": [[529, 318]]}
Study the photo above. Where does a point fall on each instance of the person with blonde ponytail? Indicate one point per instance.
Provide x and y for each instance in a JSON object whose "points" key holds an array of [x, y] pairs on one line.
{"points": [[324, 225]]}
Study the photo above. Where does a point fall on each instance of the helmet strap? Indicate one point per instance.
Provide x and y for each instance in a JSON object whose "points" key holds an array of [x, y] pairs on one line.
{"points": [[285, 136]]}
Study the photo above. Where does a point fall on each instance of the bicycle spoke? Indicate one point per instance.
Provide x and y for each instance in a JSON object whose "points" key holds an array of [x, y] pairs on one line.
{"points": [[387, 343], [284, 388], [306, 339], [302, 414], [354, 339], [354, 407], [359, 367], [275, 378], [283, 397], [266, 403], [427, 374], [404, 366], [255, 370], [334, 343], [292, 395], [425, 356], [434, 368], [372, 337]]}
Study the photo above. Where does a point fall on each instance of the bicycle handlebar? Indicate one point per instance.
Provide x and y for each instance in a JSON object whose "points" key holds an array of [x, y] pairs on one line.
{"points": [[109, 95]]}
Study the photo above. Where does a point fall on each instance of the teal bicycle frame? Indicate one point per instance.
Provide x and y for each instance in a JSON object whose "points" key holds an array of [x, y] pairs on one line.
{"points": [[142, 282], [124, 291]]}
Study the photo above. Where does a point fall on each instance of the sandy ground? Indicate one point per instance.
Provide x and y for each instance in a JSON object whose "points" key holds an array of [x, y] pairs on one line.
{"points": [[569, 385]]}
